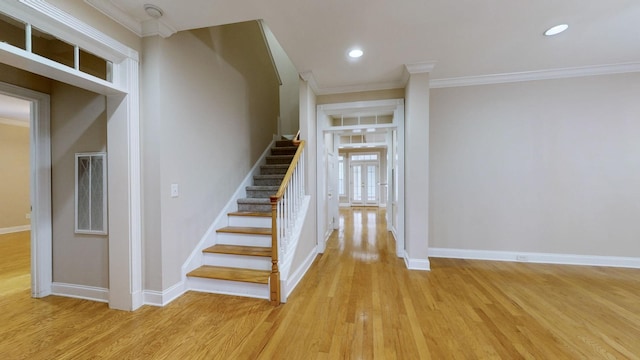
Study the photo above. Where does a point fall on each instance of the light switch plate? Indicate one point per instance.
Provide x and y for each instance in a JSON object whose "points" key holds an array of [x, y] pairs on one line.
{"points": [[174, 190]]}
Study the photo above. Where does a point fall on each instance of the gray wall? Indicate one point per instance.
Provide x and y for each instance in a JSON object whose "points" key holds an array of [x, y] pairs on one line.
{"points": [[210, 107], [78, 124], [543, 166]]}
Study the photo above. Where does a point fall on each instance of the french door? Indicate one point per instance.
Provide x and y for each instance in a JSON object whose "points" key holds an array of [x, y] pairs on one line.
{"points": [[365, 183]]}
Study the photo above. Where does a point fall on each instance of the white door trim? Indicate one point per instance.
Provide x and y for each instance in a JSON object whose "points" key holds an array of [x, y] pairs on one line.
{"points": [[123, 126], [40, 186]]}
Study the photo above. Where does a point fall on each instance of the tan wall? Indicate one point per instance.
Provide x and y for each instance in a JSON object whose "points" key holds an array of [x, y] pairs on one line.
{"points": [[214, 115], [361, 96], [11, 75], [544, 166], [30, 81], [78, 124], [14, 176]]}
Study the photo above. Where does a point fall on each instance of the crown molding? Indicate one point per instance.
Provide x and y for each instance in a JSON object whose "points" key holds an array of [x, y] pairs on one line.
{"points": [[536, 75], [421, 67], [142, 28], [116, 14], [159, 27], [361, 88], [416, 68], [311, 80]]}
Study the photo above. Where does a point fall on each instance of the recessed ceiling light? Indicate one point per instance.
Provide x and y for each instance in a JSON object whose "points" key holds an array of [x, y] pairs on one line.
{"points": [[355, 53], [556, 29]]}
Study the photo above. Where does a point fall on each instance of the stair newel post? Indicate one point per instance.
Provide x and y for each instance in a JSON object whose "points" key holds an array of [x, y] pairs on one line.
{"points": [[274, 278]]}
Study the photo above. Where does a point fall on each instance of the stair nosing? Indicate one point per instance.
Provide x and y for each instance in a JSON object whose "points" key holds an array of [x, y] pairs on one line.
{"points": [[245, 230], [250, 214], [254, 251], [209, 269]]}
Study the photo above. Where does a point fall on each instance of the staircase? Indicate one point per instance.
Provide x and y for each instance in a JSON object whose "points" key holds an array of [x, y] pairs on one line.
{"points": [[240, 262]]}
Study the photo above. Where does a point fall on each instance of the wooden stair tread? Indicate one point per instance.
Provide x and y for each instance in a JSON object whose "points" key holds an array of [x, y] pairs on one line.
{"points": [[239, 250], [245, 230], [250, 213], [231, 274]]}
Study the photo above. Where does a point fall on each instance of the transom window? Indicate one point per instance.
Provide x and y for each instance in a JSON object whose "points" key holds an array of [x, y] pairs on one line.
{"points": [[35, 41], [364, 157]]}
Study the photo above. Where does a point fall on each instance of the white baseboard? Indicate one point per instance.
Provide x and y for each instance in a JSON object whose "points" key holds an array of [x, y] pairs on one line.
{"points": [[289, 284], [80, 292], [417, 264], [162, 298], [15, 229], [541, 258]]}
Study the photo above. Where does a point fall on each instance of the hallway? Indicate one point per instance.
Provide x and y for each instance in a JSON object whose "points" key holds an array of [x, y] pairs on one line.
{"points": [[358, 301]]}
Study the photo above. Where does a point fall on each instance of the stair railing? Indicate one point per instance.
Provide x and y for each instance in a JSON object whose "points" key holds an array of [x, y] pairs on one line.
{"points": [[284, 211]]}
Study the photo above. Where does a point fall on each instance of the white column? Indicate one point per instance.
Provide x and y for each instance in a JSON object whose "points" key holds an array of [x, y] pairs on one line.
{"points": [[123, 151], [416, 187]]}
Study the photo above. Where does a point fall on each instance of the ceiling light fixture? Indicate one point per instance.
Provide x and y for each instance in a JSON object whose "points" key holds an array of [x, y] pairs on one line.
{"points": [[556, 30], [153, 11], [355, 53]]}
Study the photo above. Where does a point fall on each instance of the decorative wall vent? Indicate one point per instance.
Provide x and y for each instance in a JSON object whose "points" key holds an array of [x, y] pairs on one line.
{"points": [[91, 193]]}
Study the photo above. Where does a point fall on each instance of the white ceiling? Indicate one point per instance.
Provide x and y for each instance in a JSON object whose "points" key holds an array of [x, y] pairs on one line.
{"points": [[464, 37]]}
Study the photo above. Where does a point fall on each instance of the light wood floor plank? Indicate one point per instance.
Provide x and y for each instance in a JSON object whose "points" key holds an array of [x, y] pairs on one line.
{"points": [[358, 301]]}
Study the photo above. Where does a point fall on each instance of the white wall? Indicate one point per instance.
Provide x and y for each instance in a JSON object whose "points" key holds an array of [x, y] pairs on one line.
{"points": [[544, 166]]}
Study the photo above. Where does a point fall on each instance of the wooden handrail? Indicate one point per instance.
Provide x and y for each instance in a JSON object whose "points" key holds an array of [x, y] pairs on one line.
{"points": [[274, 278], [289, 173]]}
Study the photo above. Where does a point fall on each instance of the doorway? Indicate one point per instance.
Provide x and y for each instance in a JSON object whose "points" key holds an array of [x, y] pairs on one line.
{"points": [[368, 138], [15, 203], [39, 185]]}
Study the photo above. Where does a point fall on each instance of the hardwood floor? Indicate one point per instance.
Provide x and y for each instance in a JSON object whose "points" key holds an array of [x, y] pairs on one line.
{"points": [[357, 301]]}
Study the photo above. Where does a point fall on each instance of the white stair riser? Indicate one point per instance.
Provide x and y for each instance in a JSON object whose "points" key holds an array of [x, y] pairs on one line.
{"points": [[249, 221], [238, 261], [225, 287], [244, 239]]}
